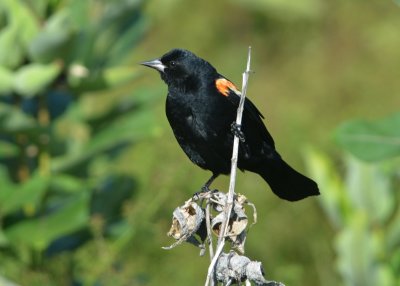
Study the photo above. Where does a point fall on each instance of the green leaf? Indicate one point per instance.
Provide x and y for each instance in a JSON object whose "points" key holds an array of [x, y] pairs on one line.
{"points": [[27, 196], [51, 42], [126, 41], [33, 79], [66, 183], [364, 181], [6, 81], [334, 198], [357, 250], [39, 233], [3, 239], [393, 234], [126, 129], [80, 9], [14, 120], [118, 75], [23, 26], [371, 140], [39, 7], [8, 150], [11, 54], [386, 275], [28, 25], [5, 183], [81, 79]]}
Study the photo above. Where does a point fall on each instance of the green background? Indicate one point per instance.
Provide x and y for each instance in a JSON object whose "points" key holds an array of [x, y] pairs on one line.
{"points": [[90, 171]]}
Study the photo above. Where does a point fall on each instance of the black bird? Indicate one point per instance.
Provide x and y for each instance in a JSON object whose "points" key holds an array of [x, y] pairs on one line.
{"points": [[201, 109]]}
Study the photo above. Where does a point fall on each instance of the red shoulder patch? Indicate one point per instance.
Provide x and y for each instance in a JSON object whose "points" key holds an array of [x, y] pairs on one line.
{"points": [[224, 86]]}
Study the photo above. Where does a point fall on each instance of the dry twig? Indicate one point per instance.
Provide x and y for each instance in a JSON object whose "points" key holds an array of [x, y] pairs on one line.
{"points": [[232, 182]]}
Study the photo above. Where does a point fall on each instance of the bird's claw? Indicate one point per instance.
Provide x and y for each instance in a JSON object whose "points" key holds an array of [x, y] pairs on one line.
{"points": [[204, 190], [236, 130], [196, 196]]}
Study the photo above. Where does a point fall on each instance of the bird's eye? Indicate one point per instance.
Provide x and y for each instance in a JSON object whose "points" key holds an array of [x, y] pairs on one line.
{"points": [[172, 64]]}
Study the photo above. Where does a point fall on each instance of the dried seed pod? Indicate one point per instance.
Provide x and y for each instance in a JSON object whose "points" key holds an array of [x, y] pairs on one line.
{"points": [[241, 199], [218, 200], [186, 221], [236, 226], [233, 268], [239, 220], [216, 223], [239, 241]]}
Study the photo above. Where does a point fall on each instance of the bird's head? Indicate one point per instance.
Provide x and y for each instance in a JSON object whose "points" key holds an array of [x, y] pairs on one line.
{"points": [[181, 68]]}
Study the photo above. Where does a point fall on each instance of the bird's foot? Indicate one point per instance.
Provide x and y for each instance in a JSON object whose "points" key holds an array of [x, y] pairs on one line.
{"points": [[203, 191], [205, 195], [236, 130]]}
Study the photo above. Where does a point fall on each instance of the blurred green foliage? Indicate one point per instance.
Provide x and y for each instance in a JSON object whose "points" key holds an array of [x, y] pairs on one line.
{"points": [[68, 111], [363, 205], [371, 141], [88, 179]]}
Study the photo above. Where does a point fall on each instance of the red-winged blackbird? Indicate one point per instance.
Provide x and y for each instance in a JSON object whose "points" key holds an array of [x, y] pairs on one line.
{"points": [[201, 107]]}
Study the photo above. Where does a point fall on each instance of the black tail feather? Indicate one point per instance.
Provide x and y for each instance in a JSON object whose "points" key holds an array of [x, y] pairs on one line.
{"points": [[287, 183]]}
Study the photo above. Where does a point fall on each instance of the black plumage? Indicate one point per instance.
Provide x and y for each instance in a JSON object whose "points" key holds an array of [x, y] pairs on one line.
{"points": [[201, 107]]}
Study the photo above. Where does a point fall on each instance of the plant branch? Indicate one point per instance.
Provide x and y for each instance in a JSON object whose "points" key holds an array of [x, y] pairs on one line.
{"points": [[209, 232], [231, 192]]}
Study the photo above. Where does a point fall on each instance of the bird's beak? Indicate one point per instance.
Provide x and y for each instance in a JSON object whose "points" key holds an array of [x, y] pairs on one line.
{"points": [[155, 64]]}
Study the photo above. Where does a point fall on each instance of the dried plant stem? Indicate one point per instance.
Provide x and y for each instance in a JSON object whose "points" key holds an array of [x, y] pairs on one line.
{"points": [[209, 233], [235, 152]]}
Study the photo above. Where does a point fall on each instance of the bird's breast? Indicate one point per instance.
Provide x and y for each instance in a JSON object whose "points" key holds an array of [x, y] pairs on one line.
{"points": [[191, 118]]}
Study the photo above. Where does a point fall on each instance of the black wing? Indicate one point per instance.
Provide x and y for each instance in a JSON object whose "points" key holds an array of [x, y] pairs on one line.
{"points": [[250, 111]]}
